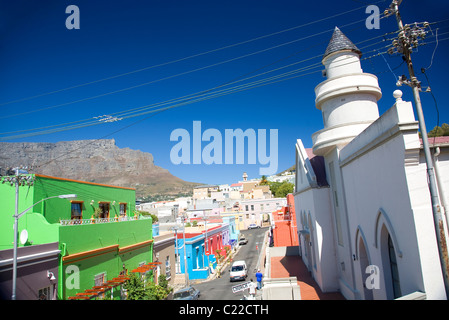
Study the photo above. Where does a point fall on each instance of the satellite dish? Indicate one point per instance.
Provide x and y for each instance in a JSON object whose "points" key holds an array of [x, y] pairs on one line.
{"points": [[23, 236]]}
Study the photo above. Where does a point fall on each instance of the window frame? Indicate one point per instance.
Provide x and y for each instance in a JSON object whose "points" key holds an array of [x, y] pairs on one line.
{"points": [[120, 209], [76, 202], [102, 203]]}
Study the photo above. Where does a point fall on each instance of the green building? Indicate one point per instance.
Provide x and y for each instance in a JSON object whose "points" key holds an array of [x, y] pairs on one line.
{"points": [[98, 234]]}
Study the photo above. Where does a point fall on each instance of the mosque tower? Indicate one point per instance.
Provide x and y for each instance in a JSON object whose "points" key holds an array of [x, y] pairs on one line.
{"points": [[347, 98]]}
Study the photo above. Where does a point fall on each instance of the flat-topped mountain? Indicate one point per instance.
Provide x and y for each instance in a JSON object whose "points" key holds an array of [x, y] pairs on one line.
{"points": [[99, 161]]}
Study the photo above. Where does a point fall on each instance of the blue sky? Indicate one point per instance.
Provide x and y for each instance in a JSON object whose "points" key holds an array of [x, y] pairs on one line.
{"points": [[50, 75]]}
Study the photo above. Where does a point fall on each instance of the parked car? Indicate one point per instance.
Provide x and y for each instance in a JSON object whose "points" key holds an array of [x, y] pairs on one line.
{"points": [[188, 293], [243, 241], [253, 226], [238, 271]]}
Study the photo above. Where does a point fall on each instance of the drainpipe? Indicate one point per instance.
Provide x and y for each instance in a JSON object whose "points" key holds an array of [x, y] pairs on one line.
{"points": [[60, 271], [441, 185]]}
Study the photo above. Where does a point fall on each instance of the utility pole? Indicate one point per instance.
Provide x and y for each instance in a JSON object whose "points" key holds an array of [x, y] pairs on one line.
{"points": [[407, 40], [16, 179], [186, 273]]}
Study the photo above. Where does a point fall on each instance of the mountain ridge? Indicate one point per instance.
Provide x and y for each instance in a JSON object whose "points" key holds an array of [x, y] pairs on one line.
{"points": [[99, 161]]}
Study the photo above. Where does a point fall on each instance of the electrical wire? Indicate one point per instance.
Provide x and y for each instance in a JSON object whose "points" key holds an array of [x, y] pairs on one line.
{"points": [[120, 114], [126, 113], [185, 58], [201, 97], [177, 75]]}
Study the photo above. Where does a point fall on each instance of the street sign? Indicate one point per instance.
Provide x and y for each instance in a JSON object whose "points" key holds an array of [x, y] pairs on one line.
{"points": [[240, 287]]}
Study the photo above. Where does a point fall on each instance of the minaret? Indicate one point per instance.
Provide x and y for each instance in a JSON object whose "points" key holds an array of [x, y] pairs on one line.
{"points": [[347, 98]]}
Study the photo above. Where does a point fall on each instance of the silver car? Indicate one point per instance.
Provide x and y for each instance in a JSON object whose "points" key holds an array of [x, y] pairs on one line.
{"points": [[188, 293]]}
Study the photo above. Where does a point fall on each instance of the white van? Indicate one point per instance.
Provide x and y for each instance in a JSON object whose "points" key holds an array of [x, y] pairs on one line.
{"points": [[238, 271]]}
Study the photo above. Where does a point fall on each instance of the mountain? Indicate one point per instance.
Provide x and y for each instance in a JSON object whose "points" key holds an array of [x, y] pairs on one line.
{"points": [[99, 161]]}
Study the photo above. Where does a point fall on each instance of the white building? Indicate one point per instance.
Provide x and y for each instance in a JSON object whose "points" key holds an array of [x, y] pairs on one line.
{"points": [[361, 197], [259, 211]]}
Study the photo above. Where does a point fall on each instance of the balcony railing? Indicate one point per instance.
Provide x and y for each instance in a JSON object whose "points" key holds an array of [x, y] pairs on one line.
{"points": [[100, 220]]}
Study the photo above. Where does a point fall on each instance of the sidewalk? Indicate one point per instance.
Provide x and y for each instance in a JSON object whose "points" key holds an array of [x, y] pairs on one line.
{"points": [[293, 266]]}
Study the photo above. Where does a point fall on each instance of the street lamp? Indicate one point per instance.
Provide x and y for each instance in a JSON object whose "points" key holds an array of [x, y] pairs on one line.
{"points": [[16, 225]]}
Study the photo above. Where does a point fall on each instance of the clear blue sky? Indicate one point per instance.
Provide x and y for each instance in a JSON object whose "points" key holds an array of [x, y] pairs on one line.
{"points": [[39, 55]]}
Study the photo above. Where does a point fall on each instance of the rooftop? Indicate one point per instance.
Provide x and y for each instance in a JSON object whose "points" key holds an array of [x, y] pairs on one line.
{"points": [[340, 42]]}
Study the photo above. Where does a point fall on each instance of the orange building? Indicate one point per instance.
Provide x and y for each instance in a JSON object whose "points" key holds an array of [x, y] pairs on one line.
{"points": [[285, 229]]}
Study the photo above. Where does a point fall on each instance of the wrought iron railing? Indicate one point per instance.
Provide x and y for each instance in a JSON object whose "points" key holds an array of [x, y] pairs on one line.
{"points": [[100, 220]]}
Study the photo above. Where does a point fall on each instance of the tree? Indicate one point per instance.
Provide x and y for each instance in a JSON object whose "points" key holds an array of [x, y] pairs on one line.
{"points": [[138, 289], [439, 131], [281, 189], [135, 288], [263, 181], [284, 189]]}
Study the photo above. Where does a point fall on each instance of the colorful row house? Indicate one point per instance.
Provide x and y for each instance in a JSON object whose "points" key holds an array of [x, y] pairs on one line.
{"points": [[96, 238], [284, 228], [201, 248]]}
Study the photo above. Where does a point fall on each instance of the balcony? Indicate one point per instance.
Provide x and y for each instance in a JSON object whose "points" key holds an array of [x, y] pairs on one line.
{"points": [[72, 222]]}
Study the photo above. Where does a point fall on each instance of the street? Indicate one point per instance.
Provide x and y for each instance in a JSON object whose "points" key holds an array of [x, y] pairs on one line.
{"points": [[221, 288]]}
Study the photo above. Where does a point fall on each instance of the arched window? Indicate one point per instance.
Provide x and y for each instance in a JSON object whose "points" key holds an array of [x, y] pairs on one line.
{"points": [[394, 269], [390, 265]]}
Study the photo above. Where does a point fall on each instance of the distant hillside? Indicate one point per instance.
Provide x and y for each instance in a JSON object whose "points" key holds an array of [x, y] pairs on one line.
{"points": [[99, 161]]}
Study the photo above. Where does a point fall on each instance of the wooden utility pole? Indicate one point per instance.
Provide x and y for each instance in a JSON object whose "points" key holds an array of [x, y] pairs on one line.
{"points": [[407, 40]]}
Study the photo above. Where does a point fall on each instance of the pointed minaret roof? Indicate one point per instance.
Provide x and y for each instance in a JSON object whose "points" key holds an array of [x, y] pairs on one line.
{"points": [[340, 42]]}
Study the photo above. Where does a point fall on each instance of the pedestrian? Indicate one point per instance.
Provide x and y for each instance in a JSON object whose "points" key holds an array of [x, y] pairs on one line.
{"points": [[259, 277], [252, 289], [218, 271]]}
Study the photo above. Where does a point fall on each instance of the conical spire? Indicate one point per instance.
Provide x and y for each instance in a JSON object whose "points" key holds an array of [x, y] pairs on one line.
{"points": [[340, 42]]}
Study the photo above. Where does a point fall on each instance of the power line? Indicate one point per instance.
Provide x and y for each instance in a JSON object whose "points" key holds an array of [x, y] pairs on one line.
{"points": [[185, 58], [172, 76], [202, 96], [128, 113]]}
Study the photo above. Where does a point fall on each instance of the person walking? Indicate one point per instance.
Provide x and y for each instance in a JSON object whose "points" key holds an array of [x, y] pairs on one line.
{"points": [[259, 277], [252, 290]]}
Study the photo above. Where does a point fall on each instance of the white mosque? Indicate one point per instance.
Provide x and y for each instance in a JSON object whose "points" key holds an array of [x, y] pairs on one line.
{"points": [[361, 195]]}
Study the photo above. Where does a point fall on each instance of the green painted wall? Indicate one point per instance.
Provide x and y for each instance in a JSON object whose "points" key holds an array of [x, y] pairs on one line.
{"points": [[60, 209], [7, 210], [42, 224]]}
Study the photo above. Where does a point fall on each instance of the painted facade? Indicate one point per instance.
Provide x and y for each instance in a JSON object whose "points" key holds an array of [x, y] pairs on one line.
{"points": [[284, 227], [98, 234], [202, 247], [362, 200]]}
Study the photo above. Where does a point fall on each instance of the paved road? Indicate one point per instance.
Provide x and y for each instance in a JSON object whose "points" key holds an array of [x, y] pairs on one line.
{"points": [[221, 288]]}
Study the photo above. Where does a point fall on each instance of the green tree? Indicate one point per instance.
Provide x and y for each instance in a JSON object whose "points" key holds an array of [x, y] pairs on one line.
{"points": [[438, 131], [145, 213], [138, 289], [135, 288], [284, 189], [281, 189], [263, 181]]}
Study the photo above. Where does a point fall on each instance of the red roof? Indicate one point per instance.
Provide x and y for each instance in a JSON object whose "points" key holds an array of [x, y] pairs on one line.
{"points": [[437, 140]]}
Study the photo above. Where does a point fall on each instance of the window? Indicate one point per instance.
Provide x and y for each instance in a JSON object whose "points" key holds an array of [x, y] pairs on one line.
{"points": [[246, 207], [252, 207], [99, 280], [122, 209], [104, 206], [394, 269], [167, 268], [45, 294], [77, 210]]}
